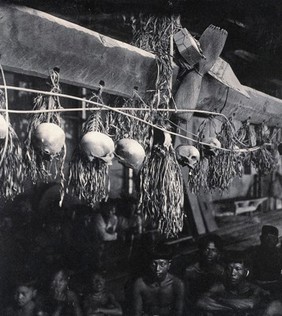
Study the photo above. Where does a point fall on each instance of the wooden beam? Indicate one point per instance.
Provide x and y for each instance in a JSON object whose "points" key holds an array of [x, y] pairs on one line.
{"points": [[258, 106], [33, 42], [223, 72]]}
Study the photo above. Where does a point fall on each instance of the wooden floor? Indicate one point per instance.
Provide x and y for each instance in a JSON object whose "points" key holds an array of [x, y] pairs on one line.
{"points": [[242, 231]]}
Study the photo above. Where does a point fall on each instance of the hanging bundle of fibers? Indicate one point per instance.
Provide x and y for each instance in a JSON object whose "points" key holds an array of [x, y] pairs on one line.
{"points": [[89, 171], [264, 159], [219, 166], [12, 171], [197, 177], [154, 34], [161, 190], [226, 164], [123, 126], [161, 193], [45, 148], [221, 170]]}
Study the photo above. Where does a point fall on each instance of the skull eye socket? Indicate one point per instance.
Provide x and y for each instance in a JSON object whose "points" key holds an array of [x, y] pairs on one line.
{"points": [[194, 158]]}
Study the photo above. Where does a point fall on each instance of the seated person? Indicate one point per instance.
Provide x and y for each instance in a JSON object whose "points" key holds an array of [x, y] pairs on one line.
{"points": [[235, 295], [105, 222], [200, 276], [104, 230], [100, 301], [62, 301], [24, 300], [273, 309], [158, 292], [266, 260]]}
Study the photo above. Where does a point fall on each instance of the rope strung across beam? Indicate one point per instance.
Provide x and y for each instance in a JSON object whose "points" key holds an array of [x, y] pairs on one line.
{"points": [[6, 110], [118, 110]]}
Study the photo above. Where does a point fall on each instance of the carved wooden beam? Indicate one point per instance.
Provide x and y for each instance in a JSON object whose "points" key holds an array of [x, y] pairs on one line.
{"points": [[33, 42], [257, 106]]}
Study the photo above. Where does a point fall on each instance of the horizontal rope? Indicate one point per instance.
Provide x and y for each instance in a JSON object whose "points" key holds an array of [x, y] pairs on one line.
{"points": [[118, 110]]}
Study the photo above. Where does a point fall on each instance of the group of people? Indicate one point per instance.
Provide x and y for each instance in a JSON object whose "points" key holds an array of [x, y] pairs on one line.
{"points": [[60, 300], [225, 283], [219, 283]]}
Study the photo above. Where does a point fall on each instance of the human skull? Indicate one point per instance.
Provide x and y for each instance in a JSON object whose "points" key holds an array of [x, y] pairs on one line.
{"points": [[3, 127], [213, 145], [130, 153], [187, 155], [49, 138], [98, 145]]}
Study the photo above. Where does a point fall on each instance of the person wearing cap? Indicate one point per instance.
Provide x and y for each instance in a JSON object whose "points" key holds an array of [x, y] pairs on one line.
{"points": [[266, 261], [234, 295], [207, 271], [158, 293]]}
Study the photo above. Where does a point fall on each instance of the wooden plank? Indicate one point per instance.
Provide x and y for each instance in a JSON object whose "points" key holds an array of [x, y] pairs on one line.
{"points": [[178, 240], [195, 210], [207, 210], [33, 42]]}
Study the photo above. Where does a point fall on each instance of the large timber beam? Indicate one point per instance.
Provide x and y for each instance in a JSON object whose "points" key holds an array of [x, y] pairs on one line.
{"points": [[33, 42], [258, 106]]}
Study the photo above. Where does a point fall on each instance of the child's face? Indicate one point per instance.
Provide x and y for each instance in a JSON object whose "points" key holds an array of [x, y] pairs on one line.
{"points": [[24, 295], [60, 282], [98, 283], [236, 273]]}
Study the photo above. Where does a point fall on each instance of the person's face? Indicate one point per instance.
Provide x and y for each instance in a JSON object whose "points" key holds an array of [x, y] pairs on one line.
{"points": [[24, 295], [59, 282], [210, 253], [269, 241], [236, 273], [159, 268], [98, 283]]}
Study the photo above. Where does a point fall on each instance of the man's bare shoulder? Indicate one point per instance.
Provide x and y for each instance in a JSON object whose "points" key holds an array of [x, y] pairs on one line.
{"points": [[174, 278], [139, 283]]}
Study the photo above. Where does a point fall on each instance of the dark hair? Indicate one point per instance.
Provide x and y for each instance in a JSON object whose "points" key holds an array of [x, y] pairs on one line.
{"points": [[236, 257], [27, 282], [160, 251], [269, 229], [106, 206], [66, 273], [99, 271], [204, 241]]}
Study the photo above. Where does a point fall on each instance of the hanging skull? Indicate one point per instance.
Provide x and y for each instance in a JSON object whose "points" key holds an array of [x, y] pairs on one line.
{"points": [[187, 155], [3, 127], [49, 138], [98, 145], [130, 153], [212, 146], [238, 159]]}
